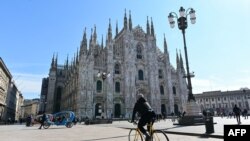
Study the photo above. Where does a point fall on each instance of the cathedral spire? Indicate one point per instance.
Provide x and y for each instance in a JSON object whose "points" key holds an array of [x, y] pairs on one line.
{"points": [[165, 45], [77, 56], [148, 28], [52, 61], [83, 48], [67, 62], [130, 21], [152, 28], [56, 59], [74, 60], [110, 31], [177, 60], [125, 21], [102, 42], [94, 34], [90, 41], [116, 29], [181, 61]]}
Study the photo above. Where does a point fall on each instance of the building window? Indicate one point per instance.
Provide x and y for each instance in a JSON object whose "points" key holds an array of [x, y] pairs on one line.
{"points": [[139, 51], [239, 104], [117, 87], [232, 104], [160, 74], [162, 90], [117, 69], [99, 86], [174, 90], [140, 74]]}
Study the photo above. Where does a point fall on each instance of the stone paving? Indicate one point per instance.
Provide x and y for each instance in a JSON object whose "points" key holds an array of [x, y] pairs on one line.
{"points": [[117, 131]]}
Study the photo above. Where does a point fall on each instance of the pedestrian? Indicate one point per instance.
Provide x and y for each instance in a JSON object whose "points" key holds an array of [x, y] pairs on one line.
{"points": [[245, 113], [43, 120], [237, 112]]}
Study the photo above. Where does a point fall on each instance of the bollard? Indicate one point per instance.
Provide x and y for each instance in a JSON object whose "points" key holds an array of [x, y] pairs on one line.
{"points": [[209, 123]]}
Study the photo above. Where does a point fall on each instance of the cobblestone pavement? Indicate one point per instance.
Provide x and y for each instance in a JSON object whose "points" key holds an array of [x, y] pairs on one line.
{"points": [[117, 131]]}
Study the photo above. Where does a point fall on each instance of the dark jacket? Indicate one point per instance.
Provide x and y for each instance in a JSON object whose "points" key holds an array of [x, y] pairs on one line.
{"points": [[44, 118], [142, 107], [236, 110]]}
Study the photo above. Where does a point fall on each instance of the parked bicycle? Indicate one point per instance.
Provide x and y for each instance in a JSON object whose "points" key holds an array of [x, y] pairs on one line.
{"points": [[155, 134]]}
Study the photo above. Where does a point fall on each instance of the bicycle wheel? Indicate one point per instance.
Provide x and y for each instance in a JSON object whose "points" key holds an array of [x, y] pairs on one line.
{"points": [[46, 125], [159, 135], [69, 124], [134, 135]]}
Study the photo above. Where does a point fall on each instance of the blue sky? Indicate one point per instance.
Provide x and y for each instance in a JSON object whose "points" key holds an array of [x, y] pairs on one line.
{"points": [[31, 31]]}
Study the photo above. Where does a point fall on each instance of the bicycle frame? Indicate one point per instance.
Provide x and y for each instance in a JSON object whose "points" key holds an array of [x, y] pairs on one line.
{"points": [[156, 135]]}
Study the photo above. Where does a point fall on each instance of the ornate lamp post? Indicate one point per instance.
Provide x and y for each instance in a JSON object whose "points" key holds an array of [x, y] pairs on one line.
{"points": [[191, 108], [103, 75], [182, 25]]}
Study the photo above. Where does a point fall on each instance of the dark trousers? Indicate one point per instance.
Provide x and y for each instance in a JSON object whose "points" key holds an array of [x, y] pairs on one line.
{"points": [[42, 123], [146, 118], [238, 118]]}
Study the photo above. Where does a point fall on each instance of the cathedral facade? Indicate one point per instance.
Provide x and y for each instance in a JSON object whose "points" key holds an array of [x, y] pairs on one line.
{"points": [[102, 80]]}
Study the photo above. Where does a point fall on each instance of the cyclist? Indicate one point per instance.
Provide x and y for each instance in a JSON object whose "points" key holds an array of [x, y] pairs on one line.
{"points": [[146, 113]]}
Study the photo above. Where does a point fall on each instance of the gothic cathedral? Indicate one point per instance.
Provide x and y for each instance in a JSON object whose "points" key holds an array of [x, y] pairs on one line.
{"points": [[102, 80]]}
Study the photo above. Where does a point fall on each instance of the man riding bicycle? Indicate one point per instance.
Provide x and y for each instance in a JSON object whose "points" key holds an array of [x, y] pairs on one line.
{"points": [[146, 113]]}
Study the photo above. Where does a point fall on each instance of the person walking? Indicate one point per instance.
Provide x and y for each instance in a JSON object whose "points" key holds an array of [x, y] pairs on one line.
{"points": [[237, 112], [42, 121]]}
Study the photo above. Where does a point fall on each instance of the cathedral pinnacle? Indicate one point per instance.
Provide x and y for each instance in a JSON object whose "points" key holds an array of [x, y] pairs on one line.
{"points": [[83, 48], [116, 29], [165, 45], [110, 31], [130, 21], [148, 28], [94, 35], [52, 62], [67, 62], [152, 28], [177, 60], [56, 60], [181, 62], [102, 42], [125, 21]]}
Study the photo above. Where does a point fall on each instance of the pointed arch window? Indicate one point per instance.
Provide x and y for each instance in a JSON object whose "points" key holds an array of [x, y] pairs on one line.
{"points": [[117, 69], [174, 90], [162, 90], [139, 51], [117, 87], [140, 74], [99, 86], [160, 74]]}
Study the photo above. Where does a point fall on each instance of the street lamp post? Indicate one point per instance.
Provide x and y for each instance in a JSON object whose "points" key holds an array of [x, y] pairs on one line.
{"points": [[182, 25], [191, 108]]}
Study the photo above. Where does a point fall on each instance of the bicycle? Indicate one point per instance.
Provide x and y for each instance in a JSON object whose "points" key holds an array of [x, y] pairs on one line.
{"points": [[155, 134]]}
